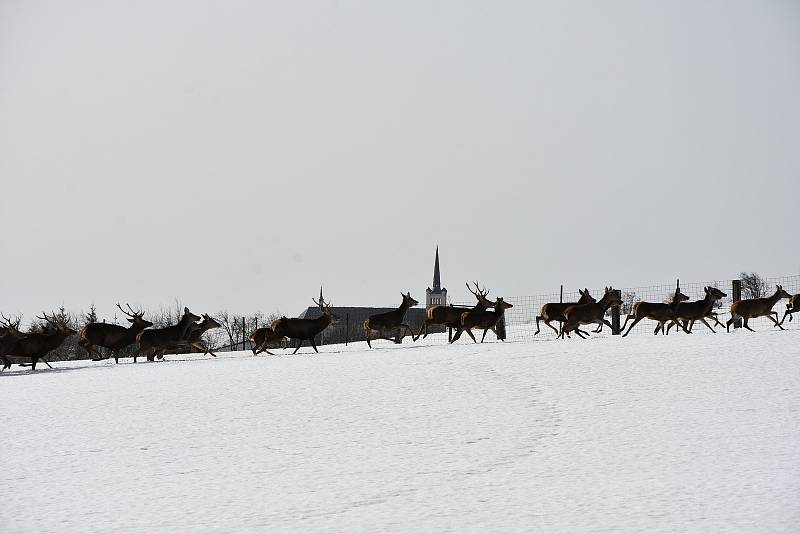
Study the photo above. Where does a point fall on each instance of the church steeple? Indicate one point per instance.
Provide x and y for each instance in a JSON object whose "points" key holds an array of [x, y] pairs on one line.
{"points": [[438, 295], [437, 284]]}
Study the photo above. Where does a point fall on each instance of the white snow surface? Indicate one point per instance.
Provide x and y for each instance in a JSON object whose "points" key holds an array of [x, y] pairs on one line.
{"points": [[683, 433]]}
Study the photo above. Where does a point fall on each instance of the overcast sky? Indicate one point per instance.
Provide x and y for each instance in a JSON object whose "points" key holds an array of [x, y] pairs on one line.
{"points": [[235, 155]]}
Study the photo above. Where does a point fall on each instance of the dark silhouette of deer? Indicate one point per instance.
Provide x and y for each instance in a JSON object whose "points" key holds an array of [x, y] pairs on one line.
{"points": [[752, 308], [158, 340], [194, 336], [305, 329], [111, 336], [793, 306], [450, 316], [262, 338], [657, 311], [36, 345], [9, 335], [591, 313], [392, 320], [482, 319], [698, 310], [554, 311]]}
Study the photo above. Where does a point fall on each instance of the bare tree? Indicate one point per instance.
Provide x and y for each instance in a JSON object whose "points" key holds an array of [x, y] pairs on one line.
{"points": [[753, 285]]}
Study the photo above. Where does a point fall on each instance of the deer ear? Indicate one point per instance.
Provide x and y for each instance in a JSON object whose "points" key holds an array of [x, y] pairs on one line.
{"points": [[185, 309], [130, 320]]}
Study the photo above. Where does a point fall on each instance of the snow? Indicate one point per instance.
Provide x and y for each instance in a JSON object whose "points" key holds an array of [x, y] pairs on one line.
{"points": [[684, 433]]}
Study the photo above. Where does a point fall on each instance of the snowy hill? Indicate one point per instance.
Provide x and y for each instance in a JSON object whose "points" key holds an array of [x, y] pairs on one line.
{"points": [[684, 433]]}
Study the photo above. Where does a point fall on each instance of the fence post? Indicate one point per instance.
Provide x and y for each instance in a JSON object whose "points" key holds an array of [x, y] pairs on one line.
{"points": [[561, 297], [347, 323], [449, 334], [615, 314], [736, 294]]}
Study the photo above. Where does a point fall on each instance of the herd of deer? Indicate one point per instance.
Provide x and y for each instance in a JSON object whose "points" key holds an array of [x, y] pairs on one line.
{"points": [[187, 333]]}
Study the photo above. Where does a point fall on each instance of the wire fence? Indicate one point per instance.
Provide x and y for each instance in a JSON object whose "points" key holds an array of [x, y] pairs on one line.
{"points": [[520, 321]]}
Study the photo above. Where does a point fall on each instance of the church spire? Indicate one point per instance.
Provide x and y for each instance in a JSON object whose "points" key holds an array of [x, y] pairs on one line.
{"points": [[437, 284]]}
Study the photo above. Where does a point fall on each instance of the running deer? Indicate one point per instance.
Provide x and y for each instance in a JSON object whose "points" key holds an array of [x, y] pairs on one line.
{"points": [[792, 307], [262, 338], [752, 308], [158, 340], [9, 335], [554, 311], [305, 329], [392, 320], [194, 336], [111, 336], [591, 313], [698, 310], [36, 345], [657, 311], [482, 319], [450, 316]]}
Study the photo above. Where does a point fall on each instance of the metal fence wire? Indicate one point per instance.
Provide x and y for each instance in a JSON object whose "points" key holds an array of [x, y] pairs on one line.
{"points": [[520, 321]]}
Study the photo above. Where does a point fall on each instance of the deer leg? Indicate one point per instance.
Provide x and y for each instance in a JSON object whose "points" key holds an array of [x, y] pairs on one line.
{"points": [[580, 333], [605, 322], [458, 335], [469, 332], [600, 327], [484, 334], [314, 344], [745, 324], [730, 322], [551, 326], [716, 320], [774, 320], [635, 321], [408, 328], [703, 320]]}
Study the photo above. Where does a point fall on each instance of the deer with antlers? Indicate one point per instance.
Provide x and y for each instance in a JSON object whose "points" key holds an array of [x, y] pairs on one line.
{"points": [[392, 320], [752, 308], [450, 316], [111, 336], [158, 340], [592, 313], [554, 311], [303, 329], [657, 311], [792, 307], [698, 310], [36, 345], [482, 319], [262, 338], [9, 335]]}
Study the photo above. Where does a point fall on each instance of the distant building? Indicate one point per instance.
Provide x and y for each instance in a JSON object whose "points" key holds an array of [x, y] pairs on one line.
{"points": [[437, 295]]}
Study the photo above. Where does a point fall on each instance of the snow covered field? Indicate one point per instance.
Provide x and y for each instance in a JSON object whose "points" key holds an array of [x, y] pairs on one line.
{"points": [[658, 434]]}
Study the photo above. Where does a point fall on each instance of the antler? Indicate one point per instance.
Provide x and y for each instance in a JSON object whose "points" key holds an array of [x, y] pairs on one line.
{"points": [[321, 303], [479, 293], [8, 322], [133, 312], [49, 320]]}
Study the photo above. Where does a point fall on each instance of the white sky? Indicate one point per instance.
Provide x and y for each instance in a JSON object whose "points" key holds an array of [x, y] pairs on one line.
{"points": [[237, 154]]}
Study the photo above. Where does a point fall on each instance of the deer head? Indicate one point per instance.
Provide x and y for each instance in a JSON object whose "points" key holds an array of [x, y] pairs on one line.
{"points": [[408, 300], [325, 308], [781, 293], [135, 318], [714, 293], [209, 322]]}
